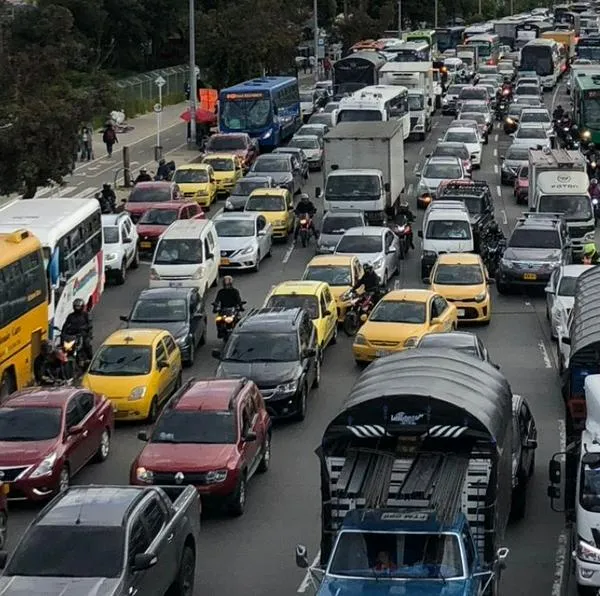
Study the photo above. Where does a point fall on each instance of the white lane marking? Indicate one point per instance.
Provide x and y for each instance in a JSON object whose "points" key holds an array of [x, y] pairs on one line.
{"points": [[421, 150], [496, 169], [496, 137], [560, 559], [65, 191], [504, 218], [134, 163], [44, 192], [288, 253], [434, 125], [409, 190], [495, 152], [499, 191], [416, 168], [307, 581], [544, 352]]}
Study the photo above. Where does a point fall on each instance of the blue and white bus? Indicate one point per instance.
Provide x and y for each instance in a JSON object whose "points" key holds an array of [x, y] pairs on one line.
{"points": [[267, 108]]}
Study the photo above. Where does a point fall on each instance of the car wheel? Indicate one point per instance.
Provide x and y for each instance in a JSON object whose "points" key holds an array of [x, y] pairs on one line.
{"points": [[7, 385], [202, 340], [64, 479], [502, 288], [189, 361], [302, 401], [265, 461], [519, 501], [184, 584], [238, 503], [136, 260], [121, 275], [333, 340], [547, 312], [104, 447], [153, 410], [317, 380], [3, 529]]}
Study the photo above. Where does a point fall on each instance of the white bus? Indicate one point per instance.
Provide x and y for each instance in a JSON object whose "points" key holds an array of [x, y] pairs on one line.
{"points": [[70, 231], [377, 103], [478, 29], [546, 57]]}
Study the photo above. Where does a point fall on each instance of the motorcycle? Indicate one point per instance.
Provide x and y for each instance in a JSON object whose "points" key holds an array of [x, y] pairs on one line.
{"points": [[403, 231], [596, 210], [305, 230], [69, 352], [360, 307], [491, 253], [171, 172], [501, 109], [226, 320]]}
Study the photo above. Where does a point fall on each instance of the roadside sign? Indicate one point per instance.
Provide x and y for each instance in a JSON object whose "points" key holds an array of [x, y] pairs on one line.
{"points": [[321, 41], [157, 108], [160, 81]]}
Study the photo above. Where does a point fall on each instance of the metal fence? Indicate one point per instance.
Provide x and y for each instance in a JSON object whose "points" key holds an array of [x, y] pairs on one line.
{"points": [[142, 87]]}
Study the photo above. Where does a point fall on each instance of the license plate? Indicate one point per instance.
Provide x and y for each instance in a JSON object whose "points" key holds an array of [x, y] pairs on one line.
{"points": [[146, 244], [381, 353], [176, 284], [461, 312], [225, 262], [529, 276]]}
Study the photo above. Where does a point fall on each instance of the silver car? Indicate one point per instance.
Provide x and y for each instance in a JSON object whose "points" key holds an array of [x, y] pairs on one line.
{"points": [[517, 155], [312, 146], [285, 170], [307, 103], [334, 226], [245, 239], [236, 201], [300, 155], [314, 129], [532, 135], [536, 116], [435, 171], [479, 107]]}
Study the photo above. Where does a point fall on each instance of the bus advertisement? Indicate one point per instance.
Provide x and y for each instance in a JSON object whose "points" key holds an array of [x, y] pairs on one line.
{"points": [[23, 308], [449, 37], [586, 105], [267, 108]]}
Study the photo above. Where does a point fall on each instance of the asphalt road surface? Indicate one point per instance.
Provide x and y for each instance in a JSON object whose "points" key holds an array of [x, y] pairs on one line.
{"points": [[254, 554]]}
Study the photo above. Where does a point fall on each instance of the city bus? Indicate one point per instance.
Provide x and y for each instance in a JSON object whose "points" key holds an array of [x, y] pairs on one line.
{"points": [[564, 17], [588, 48], [478, 29], [546, 57], [70, 231], [356, 71], [585, 94], [488, 47], [413, 51], [23, 308], [525, 32], [428, 36], [267, 108], [449, 37]]}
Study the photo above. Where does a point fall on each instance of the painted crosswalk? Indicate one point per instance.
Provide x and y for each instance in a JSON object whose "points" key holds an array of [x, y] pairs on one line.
{"points": [[56, 192]]}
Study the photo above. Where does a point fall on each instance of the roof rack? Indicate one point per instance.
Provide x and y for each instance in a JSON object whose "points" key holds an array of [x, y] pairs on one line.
{"points": [[447, 205], [462, 185], [526, 215], [559, 158]]}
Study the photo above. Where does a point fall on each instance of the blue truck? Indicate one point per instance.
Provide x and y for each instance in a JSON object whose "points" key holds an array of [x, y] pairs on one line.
{"points": [[416, 480]]}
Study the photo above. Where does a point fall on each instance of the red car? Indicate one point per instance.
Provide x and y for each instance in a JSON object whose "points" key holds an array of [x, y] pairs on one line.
{"points": [[521, 188], [215, 434], [146, 194], [157, 219], [241, 144], [47, 435]]}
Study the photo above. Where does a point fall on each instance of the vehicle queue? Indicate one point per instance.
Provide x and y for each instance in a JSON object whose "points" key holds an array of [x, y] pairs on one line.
{"points": [[275, 352]]}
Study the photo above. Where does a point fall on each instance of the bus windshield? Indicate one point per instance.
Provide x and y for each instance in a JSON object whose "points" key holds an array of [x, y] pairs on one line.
{"points": [[485, 47], [538, 58], [246, 114], [588, 52]]}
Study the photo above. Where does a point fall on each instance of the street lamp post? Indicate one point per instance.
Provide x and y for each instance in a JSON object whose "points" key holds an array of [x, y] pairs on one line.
{"points": [[435, 18], [316, 40], [399, 19], [193, 74]]}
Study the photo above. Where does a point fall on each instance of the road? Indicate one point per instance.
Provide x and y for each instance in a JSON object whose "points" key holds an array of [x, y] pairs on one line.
{"points": [[254, 554]]}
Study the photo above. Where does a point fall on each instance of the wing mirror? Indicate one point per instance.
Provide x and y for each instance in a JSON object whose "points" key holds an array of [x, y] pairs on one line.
{"points": [[142, 435], [162, 364], [250, 436], [310, 353], [124, 318], [301, 556], [143, 561], [216, 354], [427, 280]]}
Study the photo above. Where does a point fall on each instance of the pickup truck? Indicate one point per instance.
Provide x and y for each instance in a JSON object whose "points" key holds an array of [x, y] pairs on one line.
{"points": [[108, 541]]}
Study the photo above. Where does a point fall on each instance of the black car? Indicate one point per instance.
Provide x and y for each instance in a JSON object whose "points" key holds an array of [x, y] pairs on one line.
{"points": [[242, 190], [299, 153], [277, 349], [461, 341], [180, 311]]}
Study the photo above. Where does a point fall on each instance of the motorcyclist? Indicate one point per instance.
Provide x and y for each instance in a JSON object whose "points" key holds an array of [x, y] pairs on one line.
{"points": [[370, 282], [228, 296], [494, 234], [143, 176], [305, 207], [594, 189], [105, 206], [558, 113], [79, 324], [109, 196], [590, 254], [46, 366], [164, 170], [405, 215]]}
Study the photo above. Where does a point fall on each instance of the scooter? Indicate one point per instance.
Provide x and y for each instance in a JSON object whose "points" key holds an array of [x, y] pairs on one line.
{"points": [[226, 320], [360, 307]]}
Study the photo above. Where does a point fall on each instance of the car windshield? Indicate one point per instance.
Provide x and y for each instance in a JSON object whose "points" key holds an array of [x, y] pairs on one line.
{"points": [[122, 361], [515, 111], [244, 187], [398, 555], [472, 203], [517, 153], [191, 176], [442, 171], [308, 130], [448, 230], [531, 132], [307, 96], [272, 163], [305, 143], [352, 186], [262, 347], [226, 143], [334, 275], [399, 311], [159, 310], [320, 119], [458, 275], [221, 164], [150, 195], [159, 217], [541, 117], [527, 90], [308, 303], [476, 116], [475, 108], [454, 89], [573, 207], [29, 423], [526, 238], [524, 172], [589, 488], [179, 252], [566, 287], [198, 427], [234, 228], [72, 551], [480, 94], [330, 107], [265, 203], [351, 244], [449, 151], [336, 225], [462, 136], [111, 235]]}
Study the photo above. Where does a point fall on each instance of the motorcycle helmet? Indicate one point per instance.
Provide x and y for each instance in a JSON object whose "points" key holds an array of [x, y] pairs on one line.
{"points": [[593, 181], [106, 186], [162, 162], [367, 268], [304, 197], [143, 171], [589, 249], [494, 229], [227, 281], [78, 305], [46, 348]]}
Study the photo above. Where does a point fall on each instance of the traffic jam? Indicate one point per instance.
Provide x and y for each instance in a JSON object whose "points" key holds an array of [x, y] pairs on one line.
{"points": [[364, 323]]}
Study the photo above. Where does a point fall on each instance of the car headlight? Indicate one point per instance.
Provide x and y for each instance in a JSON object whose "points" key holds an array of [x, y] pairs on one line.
{"points": [[144, 475], [182, 340], [510, 121], [411, 342], [481, 297], [111, 256], [587, 552], [422, 188], [267, 134], [360, 340], [279, 222], [444, 100], [289, 387], [137, 393], [506, 263], [377, 263], [154, 274], [248, 250], [198, 273], [228, 204], [586, 135], [215, 476], [45, 467]]}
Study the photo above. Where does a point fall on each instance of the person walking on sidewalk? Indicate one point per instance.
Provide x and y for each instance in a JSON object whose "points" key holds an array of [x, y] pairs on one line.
{"points": [[109, 138], [86, 144]]}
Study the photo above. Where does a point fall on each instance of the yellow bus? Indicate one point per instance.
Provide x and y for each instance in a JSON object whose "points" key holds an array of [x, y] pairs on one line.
{"points": [[567, 38], [23, 308]]}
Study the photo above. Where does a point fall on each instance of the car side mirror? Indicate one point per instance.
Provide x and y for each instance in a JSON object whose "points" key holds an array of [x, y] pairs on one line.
{"points": [[75, 431], [124, 318], [142, 435], [143, 561], [427, 281], [162, 364], [491, 281], [261, 233], [554, 471], [318, 192], [566, 340], [530, 444], [326, 313], [310, 353], [210, 255], [435, 321], [549, 290], [250, 437], [420, 233], [363, 318], [127, 240], [502, 157], [290, 208], [386, 187], [3, 559], [301, 556], [216, 354]]}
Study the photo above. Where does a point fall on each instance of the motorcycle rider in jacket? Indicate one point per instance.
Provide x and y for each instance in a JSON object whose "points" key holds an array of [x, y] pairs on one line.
{"points": [[305, 207], [79, 324]]}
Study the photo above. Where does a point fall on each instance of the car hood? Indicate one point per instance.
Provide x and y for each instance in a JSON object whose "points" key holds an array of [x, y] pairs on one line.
{"points": [[365, 258], [394, 333], [532, 254], [279, 177], [176, 329], [431, 183], [227, 244], [188, 457], [59, 586], [458, 292], [386, 587], [24, 453], [139, 208], [150, 230], [237, 152], [262, 373]]}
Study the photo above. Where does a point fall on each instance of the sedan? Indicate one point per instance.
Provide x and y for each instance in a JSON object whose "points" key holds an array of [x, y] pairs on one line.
{"points": [[284, 169], [146, 194], [461, 341], [537, 116], [48, 435], [453, 150], [239, 143], [450, 99], [300, 156], [479, 119], [532, 136], [312, 146], [242, 190], [528, 100], [470, 138], [334, 226], [479, 107], [527, 90], [321, 118], [435, 171], [377, 246], [511, 122], [245, 239], [320, 130], [516, 156]]}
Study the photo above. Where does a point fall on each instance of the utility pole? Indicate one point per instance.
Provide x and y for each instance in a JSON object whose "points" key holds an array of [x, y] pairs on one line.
{"points": [[399, 19], [435, 17], [158, 107], [193, 72], [480, 8], [316, 40]]}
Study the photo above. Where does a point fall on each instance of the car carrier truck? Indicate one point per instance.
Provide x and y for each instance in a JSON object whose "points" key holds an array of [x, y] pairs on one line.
{"points": [[416, 480]]}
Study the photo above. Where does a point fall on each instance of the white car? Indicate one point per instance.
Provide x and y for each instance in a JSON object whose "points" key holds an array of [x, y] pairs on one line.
{"points": [[312, 145], [120, 246], [560, 295], [375, 245], [245, 239], [536, 117], [307, 104], [470, 138], [532, 135]]}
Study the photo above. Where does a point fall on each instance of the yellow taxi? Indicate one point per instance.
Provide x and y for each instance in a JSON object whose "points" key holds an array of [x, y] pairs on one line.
{"points": [[462, 279], [277, 205], [228, 170], [197, 182], [138, 370], [341, 272], [316, 298], [399, 321]]}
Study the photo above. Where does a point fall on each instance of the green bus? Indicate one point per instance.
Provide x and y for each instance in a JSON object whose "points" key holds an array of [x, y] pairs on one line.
{"points": [[586, 104], [429, 36]]}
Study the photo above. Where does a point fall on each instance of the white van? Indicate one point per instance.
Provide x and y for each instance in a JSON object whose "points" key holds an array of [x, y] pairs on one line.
{"points": [[446, 228], [187, 255]]}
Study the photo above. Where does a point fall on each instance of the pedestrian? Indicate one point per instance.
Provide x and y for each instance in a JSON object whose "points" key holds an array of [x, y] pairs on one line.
{"points": [[86, 144], [304, 65], [311, 63], [109, 138], [326, 67]]}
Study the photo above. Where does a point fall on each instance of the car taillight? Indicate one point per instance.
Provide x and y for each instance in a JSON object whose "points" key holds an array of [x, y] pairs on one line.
{"points": [[303, 222]]}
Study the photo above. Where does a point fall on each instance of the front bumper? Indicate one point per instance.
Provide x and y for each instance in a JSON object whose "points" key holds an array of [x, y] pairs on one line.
{"points": [[225, 187], [370, 352], [470, 311], [587, 574], [34, 489], [239, 262], [130, 410], [521, 277], [280, 232], [280, 404]]}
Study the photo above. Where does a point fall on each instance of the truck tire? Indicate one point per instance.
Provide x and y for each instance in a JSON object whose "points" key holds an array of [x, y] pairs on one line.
{"points": [[184, 583]]}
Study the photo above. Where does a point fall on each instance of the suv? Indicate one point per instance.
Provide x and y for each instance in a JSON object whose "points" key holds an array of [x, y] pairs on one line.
{"points": [[277, 348], [538, 244], [120, 246], [213, 434]]}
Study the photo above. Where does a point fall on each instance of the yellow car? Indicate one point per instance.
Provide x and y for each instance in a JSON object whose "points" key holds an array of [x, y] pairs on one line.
{"points": [[399, 321], [228, 170], [277, 205], [462, 279], [138, 370], [197, 182], [316, 298], [341, 272]]}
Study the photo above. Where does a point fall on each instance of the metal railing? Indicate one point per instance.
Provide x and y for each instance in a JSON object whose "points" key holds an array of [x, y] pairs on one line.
{"points": [[142, 87]]}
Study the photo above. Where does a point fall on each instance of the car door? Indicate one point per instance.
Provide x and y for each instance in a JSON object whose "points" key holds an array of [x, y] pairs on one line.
{"points": [[91, 423], [289, 201], [174, 359], [331, 318], [264, 239], [249, 449], [77, 440], [551, 288], [214, 255], [528, 436], [163, 373], [391, 252], [297, 173], [195, 317], [138, 542], [129, 246]]}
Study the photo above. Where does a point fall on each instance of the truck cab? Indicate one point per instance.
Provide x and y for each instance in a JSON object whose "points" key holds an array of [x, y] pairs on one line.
{"points": [[419, 108]]}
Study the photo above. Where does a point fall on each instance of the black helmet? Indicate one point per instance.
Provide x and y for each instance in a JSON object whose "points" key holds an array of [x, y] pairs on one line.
{"points": [[106, 185], [46, 348], [494, 229], [162, 162], [78, 304], [367, 267]]}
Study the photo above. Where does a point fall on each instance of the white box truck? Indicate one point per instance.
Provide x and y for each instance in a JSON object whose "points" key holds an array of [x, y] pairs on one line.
{"points": [[364, 169]]}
